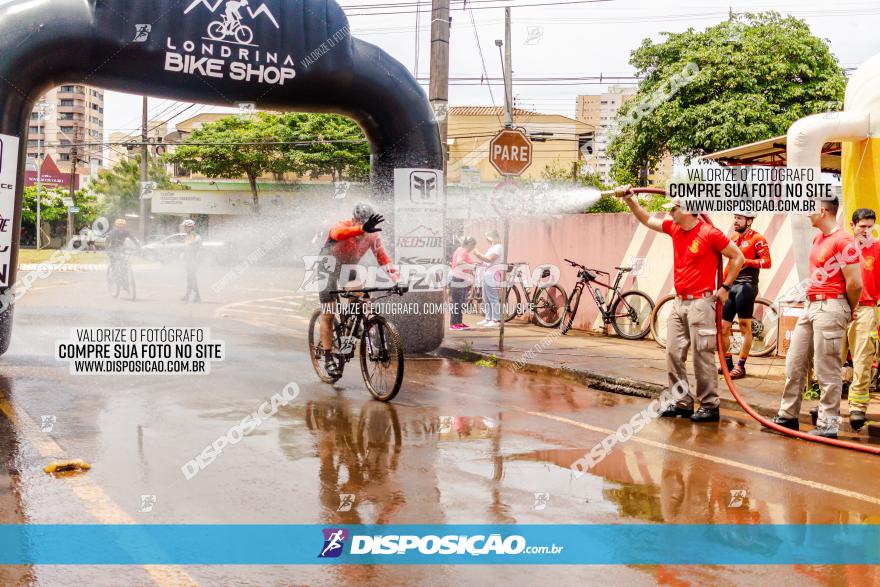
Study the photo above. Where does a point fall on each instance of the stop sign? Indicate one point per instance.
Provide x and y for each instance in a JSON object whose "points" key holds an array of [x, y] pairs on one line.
{"points": [[510, 152]]}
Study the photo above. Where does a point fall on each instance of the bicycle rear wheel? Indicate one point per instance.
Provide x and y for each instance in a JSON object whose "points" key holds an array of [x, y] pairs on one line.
{"points": [[631, 315], [314, 352], [550, 306], [659, 317], [765, 328], [381, 359], [511, 308]]}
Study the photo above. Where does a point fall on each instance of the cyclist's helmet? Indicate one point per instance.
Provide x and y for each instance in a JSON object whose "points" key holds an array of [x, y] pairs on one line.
{"points": [[748, 214], [362, 212], [120, 223], [189, 223]]}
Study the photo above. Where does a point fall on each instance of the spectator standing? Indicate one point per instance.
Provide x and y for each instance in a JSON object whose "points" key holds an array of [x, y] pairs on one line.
{"points": [[463, 263], [492, 276]]}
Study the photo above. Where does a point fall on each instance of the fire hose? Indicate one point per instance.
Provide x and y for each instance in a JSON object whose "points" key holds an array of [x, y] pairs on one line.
{"points": [[730, 385]]}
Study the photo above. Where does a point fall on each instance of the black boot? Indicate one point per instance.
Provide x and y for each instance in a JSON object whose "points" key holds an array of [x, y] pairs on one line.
{"points": [[856, 419], [790, 423], [676, 412], [706, 415]]}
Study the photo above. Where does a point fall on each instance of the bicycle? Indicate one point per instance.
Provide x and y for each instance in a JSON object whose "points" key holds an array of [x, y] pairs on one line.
{"points": [[628, 313], [120, 276], [381, 354], [546, 302], [220, 29], [765, 324]]}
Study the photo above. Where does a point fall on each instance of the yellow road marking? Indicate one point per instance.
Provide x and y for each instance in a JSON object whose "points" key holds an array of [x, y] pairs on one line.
{"points": [[98, 503], [714, 459]]}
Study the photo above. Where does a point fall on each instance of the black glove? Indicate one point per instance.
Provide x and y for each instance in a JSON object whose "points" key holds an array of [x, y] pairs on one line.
{"points": [[372, 222]]}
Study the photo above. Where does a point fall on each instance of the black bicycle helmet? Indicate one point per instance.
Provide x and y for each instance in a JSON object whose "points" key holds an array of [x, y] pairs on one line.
{"points": [[362, 212]]}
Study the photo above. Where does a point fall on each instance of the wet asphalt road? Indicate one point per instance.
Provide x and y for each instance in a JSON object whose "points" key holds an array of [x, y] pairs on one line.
{"points": [[460, 444]]}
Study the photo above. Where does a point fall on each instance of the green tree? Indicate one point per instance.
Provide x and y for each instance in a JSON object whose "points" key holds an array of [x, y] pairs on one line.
{"points": [[757, 74], [53, 213], [237, 146], [340, 160], [119, 188]]}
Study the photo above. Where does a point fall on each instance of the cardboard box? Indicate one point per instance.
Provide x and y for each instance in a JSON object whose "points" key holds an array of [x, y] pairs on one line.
{"points": [[788, 317]]}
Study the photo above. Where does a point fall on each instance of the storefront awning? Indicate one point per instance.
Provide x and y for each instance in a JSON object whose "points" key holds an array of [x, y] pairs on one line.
{"points": [[771, 152]]}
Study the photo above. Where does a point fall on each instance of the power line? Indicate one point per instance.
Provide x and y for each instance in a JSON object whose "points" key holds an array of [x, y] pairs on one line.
{"points": [[492, 7]]}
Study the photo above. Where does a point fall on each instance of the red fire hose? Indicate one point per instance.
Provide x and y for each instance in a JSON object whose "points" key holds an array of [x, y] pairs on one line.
{"points": [[730, 385]]}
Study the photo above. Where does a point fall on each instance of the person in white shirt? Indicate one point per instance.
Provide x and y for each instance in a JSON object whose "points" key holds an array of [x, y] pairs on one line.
{"points": [[493, 258]]}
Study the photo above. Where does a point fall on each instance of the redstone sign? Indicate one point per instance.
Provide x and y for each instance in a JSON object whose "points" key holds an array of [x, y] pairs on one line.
{"points": [[510, 152]]}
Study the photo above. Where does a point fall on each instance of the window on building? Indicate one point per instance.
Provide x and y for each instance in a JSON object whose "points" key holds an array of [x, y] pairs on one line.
{"points": [[66, 103], [68, 89], [64, 156]]}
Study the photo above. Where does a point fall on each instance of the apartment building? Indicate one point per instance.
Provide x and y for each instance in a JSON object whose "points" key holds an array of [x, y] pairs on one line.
{"points": [[601, 111], [68, 114]]}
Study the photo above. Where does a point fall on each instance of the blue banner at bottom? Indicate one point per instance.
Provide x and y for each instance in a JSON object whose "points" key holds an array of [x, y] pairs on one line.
{"points": [[636, 544]]}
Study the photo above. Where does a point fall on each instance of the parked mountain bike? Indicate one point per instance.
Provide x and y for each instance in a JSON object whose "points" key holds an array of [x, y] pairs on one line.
{"points": [[546, 303], [381, 354], [629, 313], [765, 327], [120, 276]]}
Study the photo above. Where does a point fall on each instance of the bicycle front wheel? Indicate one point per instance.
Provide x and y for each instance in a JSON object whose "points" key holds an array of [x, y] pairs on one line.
{"points": [[550, 306], [631, 315], [570, 311], [511, 308], [318, 361], [381, 359], [659, 318], [132, 288]]}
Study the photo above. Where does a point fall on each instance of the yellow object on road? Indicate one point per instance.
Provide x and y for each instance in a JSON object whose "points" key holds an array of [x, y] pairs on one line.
{"points": [[70, 465]]}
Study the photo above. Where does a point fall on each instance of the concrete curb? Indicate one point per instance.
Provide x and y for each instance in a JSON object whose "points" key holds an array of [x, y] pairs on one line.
{"points": [[591, 379]]}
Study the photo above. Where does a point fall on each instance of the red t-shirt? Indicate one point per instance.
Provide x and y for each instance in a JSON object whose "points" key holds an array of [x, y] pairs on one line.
{"points": [[870, 256], [827, 257], [695, 256]]}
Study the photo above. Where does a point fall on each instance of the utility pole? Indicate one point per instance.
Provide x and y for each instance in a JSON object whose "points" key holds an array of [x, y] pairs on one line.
{"points": [[438, 90], [144, 175], [508, 72], [506, 61], [74, 159]]}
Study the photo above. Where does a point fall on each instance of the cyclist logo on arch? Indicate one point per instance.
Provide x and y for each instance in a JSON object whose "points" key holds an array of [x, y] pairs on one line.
{"points": [[230, 25]]}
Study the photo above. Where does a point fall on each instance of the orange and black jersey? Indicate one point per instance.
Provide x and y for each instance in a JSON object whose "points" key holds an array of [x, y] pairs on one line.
{"points": [[755, 249]]}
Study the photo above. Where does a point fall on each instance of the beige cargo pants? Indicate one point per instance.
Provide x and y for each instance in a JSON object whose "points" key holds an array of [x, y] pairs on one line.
{"points": [[818, 336], [859, 341], [692, 322]]}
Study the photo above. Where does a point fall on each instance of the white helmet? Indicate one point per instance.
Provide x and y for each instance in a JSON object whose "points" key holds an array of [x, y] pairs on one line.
{"points": [[189, 223]]}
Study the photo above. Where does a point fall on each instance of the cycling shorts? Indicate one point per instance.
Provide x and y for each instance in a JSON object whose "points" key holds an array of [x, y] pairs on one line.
{"points": [[741, 302]]}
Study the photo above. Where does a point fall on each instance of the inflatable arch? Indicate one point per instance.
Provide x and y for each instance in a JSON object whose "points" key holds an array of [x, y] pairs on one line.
{"points": [[279, 54]]}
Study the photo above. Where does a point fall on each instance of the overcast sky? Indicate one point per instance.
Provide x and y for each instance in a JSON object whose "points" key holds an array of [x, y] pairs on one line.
{"points": [[572, 40]]}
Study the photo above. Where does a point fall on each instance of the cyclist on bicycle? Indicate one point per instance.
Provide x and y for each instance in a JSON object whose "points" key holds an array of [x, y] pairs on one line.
{"points": [[348, 241], [116, 239], [232, 12], [741, 301]]}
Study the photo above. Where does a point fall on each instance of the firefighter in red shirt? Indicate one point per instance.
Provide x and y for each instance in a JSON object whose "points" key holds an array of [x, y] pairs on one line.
{"points": [[697, 247], [744, 290], [858, 340], [835, 286], [347, 242]]}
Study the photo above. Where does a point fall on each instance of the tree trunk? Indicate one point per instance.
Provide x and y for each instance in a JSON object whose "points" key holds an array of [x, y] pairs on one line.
{"points": [[252, 179]]}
